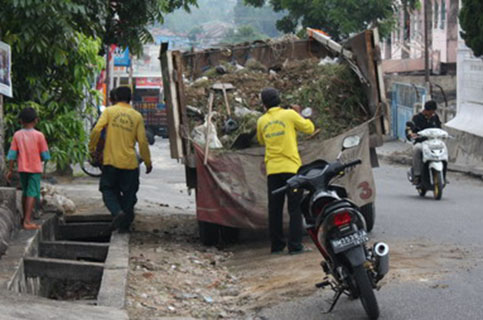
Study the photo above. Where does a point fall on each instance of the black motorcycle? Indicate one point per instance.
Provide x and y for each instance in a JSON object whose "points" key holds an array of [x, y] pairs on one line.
{"points": [[339, 231]]}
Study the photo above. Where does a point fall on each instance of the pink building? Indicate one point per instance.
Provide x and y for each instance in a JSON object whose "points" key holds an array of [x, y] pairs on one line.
{"points": [[403, 51]]}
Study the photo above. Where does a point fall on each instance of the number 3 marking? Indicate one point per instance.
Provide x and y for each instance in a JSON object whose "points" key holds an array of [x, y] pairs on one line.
{"points": [[366, 191]]}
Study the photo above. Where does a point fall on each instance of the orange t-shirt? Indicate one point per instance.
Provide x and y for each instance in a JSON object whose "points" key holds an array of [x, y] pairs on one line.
{"points": [[29, 148]]}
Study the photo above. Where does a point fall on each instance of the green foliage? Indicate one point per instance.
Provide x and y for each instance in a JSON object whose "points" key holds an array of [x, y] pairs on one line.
{"points": [[262, 19], [55, 52], [127, 21], [471, 21], [339, 18], [56, 85], [336, 97], [243, 34]]}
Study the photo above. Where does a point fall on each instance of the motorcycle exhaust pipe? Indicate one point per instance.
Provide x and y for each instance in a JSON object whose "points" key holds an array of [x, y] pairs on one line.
{"points": [[380, 250]]}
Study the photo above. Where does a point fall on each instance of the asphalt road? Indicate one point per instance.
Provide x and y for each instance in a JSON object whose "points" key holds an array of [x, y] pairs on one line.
{"points": [[436, 255]]}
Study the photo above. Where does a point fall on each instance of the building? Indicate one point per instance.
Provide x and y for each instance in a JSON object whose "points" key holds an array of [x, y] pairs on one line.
{"points": [[403, 51]]}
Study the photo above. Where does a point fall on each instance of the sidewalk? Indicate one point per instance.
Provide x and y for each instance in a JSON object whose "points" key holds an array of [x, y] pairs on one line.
{"points": [[397, 151]]}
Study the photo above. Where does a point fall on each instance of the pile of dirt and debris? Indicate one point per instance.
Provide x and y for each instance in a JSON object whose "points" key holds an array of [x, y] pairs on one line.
{"points": [[329, 87], [172, 275]]}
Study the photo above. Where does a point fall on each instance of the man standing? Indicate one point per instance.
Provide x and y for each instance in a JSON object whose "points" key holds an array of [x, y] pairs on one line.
{"points": [[277, 130], [120, 172], [423, 120]]}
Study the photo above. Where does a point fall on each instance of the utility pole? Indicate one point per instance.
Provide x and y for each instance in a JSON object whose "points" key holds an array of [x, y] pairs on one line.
{"points": [[427, 83]]}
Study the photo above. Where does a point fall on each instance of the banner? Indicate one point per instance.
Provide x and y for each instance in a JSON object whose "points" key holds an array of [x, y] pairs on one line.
{"points": [[232, 187], [121, 57], [149, 83], [5, 70]]}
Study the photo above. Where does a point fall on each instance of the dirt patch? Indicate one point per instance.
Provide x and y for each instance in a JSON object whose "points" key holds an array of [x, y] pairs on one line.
{"points": [[173, 275], [425, 262]]}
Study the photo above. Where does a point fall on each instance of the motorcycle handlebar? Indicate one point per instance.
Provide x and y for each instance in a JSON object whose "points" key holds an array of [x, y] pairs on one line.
{"points": [[280, 190], [353, 163]]}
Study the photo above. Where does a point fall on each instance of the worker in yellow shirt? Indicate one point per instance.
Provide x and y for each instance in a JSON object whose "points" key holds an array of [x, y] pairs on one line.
{"points": [[277, 130], [120, 171]]}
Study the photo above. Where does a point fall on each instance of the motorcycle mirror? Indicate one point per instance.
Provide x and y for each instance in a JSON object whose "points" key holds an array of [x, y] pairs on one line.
{"points": [[351, 142]]}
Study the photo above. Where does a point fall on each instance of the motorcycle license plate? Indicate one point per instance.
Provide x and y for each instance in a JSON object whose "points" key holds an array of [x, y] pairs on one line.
{"points": [[349, 241]]}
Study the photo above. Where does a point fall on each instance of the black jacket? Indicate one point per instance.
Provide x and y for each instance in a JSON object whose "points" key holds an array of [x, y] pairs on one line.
{"points": [[420, 122]]}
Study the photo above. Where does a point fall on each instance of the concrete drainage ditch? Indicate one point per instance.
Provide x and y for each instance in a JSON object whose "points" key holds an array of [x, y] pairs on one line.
{"points": [[76, 259]]}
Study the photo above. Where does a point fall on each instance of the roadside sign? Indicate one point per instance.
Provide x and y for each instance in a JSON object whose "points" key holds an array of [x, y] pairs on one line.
{"points": [[149, 83], [5, 70], [121, 57]]}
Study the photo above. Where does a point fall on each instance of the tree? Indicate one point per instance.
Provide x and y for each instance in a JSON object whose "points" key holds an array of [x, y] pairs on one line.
{"points": [[243, 34], [339, 18], [55, 53], [471, 22], [262, 19]]}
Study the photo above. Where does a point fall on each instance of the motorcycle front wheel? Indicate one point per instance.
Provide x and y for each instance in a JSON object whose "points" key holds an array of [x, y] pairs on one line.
{"points": [[366, 292], [438, 184], [421, 191]]}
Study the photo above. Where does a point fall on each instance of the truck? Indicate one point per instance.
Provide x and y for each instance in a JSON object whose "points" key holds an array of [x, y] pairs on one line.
{"points": [[230, 185], [149, 101]]}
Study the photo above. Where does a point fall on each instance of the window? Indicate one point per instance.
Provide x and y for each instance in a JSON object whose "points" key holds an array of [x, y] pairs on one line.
{"points": [[442, 25]]}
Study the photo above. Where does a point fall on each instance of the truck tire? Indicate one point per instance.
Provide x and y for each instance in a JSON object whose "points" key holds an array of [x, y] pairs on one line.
{"points": [[369, 213], [209, 233], [150, 136]]}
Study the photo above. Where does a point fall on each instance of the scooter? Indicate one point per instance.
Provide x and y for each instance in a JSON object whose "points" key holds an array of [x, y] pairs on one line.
{"points": [[338, 229], [435, 162]]}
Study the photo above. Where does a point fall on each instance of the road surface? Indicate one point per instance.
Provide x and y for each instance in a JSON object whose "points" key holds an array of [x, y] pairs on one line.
{"points": [[436, 255]]}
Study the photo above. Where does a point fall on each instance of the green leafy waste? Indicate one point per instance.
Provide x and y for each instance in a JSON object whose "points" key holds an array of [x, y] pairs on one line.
{"points": [[332, 90]]}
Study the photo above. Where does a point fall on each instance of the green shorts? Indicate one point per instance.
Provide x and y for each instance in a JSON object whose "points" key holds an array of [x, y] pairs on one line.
{"points": [[30, 184]]}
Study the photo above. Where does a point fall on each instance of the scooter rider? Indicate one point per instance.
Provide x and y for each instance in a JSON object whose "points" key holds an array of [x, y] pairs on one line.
{"points": [[423, 120]]}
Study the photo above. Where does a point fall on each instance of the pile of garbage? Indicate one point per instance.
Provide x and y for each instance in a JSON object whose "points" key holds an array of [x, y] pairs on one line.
{"points": [[329, 87], [53, 201]]}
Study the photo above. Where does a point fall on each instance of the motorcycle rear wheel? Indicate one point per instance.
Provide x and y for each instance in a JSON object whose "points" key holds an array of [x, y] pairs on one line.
{"points": [[366, 292], [438, 184]]}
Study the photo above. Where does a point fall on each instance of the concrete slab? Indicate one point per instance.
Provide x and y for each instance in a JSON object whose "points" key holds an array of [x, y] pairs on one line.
{"points": [[63, 269], [116, 267], [14, 306]]}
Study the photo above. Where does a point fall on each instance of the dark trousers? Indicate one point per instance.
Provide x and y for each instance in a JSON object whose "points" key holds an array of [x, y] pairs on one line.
{"points": [[275, 214], [119, 188]]}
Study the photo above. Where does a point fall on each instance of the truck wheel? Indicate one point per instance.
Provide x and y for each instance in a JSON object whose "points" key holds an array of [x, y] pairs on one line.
{"points": [[209, 233], [150, 136], [229, 235], [369, 213]]}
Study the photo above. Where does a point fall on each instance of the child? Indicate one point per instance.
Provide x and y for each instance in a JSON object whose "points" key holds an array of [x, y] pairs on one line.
{"points": [[29, 148]]}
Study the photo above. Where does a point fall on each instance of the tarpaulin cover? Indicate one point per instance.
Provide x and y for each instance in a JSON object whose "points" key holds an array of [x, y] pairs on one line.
{"points": [[232, 187]]}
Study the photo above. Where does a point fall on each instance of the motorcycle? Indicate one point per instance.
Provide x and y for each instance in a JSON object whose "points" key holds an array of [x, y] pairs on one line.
{"points": [[338, 229], [435, 162]]}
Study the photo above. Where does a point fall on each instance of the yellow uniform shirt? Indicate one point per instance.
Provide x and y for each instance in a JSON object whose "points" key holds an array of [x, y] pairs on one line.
{"points": [[124, 126], [277, 130]]}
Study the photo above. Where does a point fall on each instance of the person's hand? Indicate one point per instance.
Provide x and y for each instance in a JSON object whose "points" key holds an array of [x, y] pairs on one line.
{"points": [[413, 135], [149, 169], [296, 107]]}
